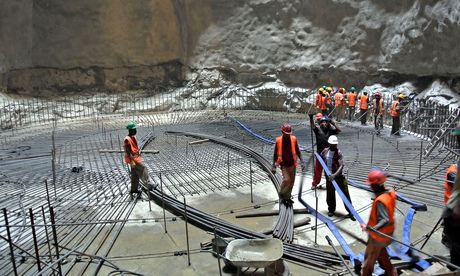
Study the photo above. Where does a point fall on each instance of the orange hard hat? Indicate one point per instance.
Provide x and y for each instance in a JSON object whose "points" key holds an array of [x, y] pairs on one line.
{"points": [[286, 129], [376, 177]]}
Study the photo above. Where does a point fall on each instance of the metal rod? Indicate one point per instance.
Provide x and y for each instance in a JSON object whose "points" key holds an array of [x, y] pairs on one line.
{"points": [[372, 148], [250, 179], [329, 241], [217, 251], [431, 233], [163, 202], [56, 244], [316, 217], [34, 236], [10, 242], [420, 160], [186, 231], [53, 159], [46, 233], [228, 169]]}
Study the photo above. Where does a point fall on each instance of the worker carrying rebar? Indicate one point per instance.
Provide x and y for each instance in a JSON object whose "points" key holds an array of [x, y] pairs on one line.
{"points": [[451, 214], [333, 157], [378, 111], [363, 107], [326, 128], [133, 158], [381, 218], [395, 112], [286, 154]]}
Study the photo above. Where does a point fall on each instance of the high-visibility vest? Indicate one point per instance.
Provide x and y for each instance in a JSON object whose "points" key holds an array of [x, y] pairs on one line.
{"points": [[363, 102], [351, 99], [449, 187], [321, 103], [318, 99], [394, 109], [327, 97], [338, 99], [279, 147], [388, 199], [132, 142], [380, 106]]}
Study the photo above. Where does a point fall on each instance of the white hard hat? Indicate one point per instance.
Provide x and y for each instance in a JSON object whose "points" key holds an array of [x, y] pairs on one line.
{"points": [[333, 140]]}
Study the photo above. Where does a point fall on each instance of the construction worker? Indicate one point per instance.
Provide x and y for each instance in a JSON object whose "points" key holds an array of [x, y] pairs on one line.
{"points": [[378, 111], [133, 158], [333, 158], [285, 156], [363, 108], [321, 102], [351, 98], [451, 173], [322, 132], [381, 219], [318, 99], [395, 112], [451, 214], [339, 100]]}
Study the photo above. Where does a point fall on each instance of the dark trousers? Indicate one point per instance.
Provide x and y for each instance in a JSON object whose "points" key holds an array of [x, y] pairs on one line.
{"points": [[452, 230], [139, 172], [330, 195], [351, 113], [363, 115], [395, 126], [378, 122]]}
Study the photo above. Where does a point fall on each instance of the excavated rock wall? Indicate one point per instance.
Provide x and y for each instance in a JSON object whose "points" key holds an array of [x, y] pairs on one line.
{"points": [[115, 45]]}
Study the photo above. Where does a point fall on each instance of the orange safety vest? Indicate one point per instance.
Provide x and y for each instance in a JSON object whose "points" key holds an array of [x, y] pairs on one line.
{"points": [[132, 142], [448, 187], [328, 98], [279, 147], [338, 99], [318, 99], [380, 105], [351, 99], [322, 103], [388, 198], [394, 109], [363, 103]]}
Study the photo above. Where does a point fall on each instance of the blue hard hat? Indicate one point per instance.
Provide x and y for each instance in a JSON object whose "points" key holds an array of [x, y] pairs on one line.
{"points": [[324, 119]]}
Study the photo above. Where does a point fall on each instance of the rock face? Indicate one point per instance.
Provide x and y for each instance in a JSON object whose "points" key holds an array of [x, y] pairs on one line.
{"points": [[115, 45]]}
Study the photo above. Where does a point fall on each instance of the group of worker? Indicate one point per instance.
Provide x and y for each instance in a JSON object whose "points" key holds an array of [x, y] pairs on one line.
{"points": [[335, 103], [381, 222], [380, 226]]}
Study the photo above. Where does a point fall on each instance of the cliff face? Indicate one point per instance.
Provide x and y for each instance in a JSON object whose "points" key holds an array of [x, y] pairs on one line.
{"points": [[53, 45]]}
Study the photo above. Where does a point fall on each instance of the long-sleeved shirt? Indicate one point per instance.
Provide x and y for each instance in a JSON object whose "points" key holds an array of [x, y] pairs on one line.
{"points": [[382, 216]]}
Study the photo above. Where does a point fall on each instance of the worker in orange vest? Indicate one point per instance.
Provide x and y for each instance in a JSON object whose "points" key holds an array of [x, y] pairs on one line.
{"points": [[133, 158], [321, 102], [285, 156], [381, 219], [395, 112], [378, 111], [451, 173], [339, 100], [363, 107], [328, 95], [318, 99], [351, 98], [451, 213]]}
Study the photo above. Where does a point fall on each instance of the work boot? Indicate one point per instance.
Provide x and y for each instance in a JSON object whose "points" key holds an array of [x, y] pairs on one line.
{"points": [[350, 216], [330, 214]]}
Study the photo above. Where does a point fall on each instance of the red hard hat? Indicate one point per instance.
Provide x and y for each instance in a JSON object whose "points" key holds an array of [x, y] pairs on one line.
{"points": [[319, 116], [376, 177], [341, 90], [286, 129]]}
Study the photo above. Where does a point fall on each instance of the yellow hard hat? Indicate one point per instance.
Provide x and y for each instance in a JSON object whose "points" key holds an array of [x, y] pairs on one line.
{"points": [[329, 89], [321, 90], [402, 96]]}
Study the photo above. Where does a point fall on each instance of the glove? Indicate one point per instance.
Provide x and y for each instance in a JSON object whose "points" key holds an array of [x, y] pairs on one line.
{"points": [[302, 165], [133, 164], [364, 227], [331, 177], [311, 116], [273, 169]]}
